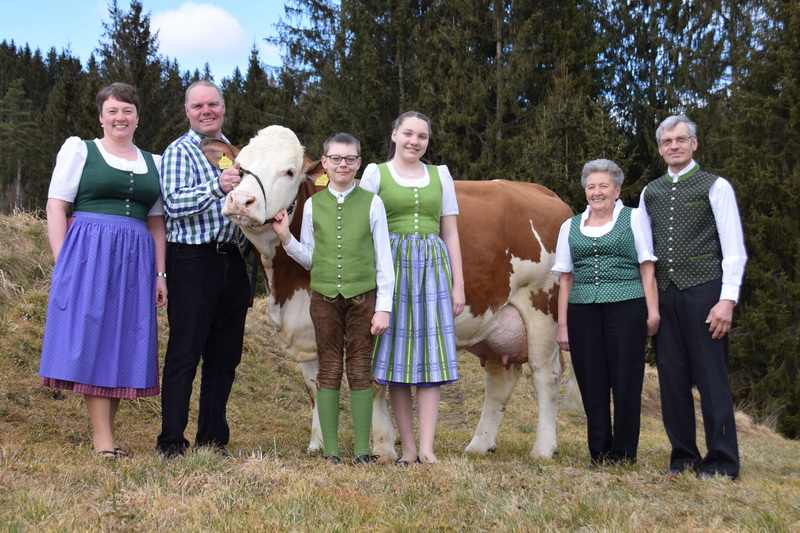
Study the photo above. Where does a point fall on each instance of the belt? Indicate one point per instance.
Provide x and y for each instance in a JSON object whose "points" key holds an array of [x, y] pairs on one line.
{"points": [[219, 247], [224, 247]]}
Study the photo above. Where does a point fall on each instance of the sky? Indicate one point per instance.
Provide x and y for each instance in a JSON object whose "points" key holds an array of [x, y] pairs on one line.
{"points": [[192, 32]]}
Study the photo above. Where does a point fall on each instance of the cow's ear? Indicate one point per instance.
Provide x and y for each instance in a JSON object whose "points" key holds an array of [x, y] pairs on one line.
{"points": [[219, 153], [312, 169]]}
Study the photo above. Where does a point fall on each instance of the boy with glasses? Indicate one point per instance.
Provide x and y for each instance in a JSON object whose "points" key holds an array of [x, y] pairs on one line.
{"points": [[344, 242]]}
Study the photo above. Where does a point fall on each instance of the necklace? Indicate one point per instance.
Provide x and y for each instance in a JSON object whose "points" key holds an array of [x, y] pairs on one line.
{"points": [[416, 174], [119, 152]]}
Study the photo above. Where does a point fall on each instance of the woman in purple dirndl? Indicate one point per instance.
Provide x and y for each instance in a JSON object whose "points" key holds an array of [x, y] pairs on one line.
{"points": [[100, 336], [419, 348]]}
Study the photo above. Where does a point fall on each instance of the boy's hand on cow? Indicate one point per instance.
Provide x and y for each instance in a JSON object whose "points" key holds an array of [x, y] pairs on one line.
{"points": [[281, 226], [380, 322]]}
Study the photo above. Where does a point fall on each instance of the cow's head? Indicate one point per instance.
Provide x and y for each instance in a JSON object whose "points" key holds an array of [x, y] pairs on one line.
{"points": [[273, 166]]}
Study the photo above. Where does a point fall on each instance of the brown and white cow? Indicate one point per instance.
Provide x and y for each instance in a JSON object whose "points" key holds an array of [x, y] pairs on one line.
{"points": [[508, 237]]}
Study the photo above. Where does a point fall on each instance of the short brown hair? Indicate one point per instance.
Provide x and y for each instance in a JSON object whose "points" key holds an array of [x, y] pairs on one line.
{"points": [[118, 91], [343, 138]]}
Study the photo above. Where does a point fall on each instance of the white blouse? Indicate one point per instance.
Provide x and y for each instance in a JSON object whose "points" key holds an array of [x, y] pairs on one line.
{"points": [[640, 226], [371, 181], [69, 167]]}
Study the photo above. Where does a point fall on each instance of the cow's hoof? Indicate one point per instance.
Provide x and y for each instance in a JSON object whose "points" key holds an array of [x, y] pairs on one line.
{"points": [[477, 449], [544, 454], [386, 456], [314, 447]]}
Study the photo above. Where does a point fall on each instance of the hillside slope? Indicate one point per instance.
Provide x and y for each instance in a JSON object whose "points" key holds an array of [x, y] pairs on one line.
{"points": [[50, 480]]}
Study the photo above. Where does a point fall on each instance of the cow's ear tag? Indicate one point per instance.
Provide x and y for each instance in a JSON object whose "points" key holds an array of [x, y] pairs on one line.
{"points": [[322, 181], [225, 162]]}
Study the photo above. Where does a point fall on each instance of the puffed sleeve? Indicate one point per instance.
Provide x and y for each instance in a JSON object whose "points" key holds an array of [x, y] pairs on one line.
{"points": [[563, 254], [158, 207], [67, 173], [449, 202], [642, 235], [371, 178]]}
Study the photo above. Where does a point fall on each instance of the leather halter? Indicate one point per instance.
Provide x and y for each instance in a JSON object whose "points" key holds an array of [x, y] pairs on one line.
{"points": [[289, 210]]}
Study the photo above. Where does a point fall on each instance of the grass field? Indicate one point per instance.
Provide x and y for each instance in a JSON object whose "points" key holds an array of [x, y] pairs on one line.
{"points": [[51, 481]]}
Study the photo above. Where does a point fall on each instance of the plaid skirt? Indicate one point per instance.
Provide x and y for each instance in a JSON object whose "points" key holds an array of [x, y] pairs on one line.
{"points": [[419, 348]]}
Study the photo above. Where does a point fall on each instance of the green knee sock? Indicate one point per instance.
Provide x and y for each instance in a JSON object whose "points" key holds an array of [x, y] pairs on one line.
{"points": [[328, 409], [361, 408]]}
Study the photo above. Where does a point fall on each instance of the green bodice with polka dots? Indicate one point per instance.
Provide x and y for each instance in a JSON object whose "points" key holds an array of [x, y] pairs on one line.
{"points": [[605, 269]]}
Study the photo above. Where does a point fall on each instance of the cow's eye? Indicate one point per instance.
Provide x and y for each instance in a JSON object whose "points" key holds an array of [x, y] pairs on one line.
{"points": [[290, 173]]}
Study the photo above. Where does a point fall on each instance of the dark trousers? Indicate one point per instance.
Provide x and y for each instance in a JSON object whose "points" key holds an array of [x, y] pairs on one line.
{"points": [[342, 329], [686, 355], [208, 295], [607, 342]]}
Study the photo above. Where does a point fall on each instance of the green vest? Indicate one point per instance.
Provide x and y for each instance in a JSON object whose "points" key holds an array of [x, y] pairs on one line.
{"points": [[605, 269], [411, 210], [685, 237], [108, 191], [344, 255]]}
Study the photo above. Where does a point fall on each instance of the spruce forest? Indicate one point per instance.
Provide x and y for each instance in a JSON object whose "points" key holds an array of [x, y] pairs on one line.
{"points": [[524, 90]]}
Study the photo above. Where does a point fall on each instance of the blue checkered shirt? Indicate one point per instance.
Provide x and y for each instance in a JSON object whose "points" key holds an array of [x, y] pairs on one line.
{"points": [[193, 199]]}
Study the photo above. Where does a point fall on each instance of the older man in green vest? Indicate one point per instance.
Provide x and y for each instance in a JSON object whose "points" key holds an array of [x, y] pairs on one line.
{"points": [[698, 239]]}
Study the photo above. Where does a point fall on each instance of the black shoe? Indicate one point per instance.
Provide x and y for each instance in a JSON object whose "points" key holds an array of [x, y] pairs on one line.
{"points": [[171, 453], [676, 471], [222, 452], [333, 459], [365, 459]]}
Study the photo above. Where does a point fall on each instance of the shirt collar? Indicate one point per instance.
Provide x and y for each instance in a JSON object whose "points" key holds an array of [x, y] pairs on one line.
{"points": [[199, 136], [340, 196], [676, 177]]}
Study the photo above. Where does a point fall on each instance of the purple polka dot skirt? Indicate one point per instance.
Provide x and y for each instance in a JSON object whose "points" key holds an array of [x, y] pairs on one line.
{"points": [[100, 335]]}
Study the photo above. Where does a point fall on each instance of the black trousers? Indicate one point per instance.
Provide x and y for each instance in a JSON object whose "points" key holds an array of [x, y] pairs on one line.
{"points": [[686, 355], [607, 342], [208, 295]]}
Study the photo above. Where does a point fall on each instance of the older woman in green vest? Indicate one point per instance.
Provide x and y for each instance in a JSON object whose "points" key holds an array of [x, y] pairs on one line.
{"points": [[607, 306]]}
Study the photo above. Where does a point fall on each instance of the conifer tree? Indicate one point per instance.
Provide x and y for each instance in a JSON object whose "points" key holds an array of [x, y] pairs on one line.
{"points": [[761, 135], [22, 172]]}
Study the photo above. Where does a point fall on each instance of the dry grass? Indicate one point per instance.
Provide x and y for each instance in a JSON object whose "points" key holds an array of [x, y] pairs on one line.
{"points": [[50, 480]]}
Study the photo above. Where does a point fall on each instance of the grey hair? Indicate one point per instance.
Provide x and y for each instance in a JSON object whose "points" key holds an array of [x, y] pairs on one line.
{"points": [[603, 165], [671, 122]]}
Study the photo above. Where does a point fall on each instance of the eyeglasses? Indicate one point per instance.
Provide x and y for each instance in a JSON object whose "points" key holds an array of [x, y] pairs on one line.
{"points": [[682, 141], [349, 159]]}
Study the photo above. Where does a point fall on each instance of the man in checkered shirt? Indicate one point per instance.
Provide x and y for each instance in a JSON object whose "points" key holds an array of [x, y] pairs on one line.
{"points": [[206, 278]]}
